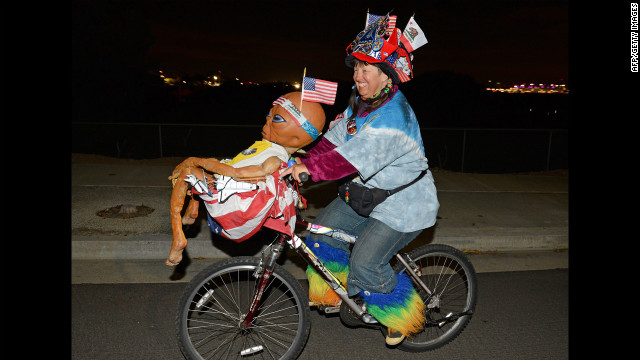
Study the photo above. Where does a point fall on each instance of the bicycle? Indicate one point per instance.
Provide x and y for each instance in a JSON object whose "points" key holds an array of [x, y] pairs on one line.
{"points": [[245, 306]]}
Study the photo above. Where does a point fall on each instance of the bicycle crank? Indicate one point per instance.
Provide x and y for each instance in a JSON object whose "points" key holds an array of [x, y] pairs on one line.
{"points": [[450, 317], [350, 318]]}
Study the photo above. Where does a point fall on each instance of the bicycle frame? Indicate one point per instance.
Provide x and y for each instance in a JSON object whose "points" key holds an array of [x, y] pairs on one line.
{"points": [[450, 298], [294, 242]]}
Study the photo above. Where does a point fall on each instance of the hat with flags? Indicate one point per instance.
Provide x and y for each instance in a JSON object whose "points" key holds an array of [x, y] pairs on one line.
{"points": [[381, 43]]}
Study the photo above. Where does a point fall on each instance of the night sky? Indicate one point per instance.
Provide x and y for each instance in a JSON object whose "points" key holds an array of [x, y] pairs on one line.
{"points": [[509, 41]]}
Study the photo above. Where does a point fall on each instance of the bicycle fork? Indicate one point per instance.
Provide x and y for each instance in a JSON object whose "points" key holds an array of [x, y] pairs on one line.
{"points": [[263, 274]]}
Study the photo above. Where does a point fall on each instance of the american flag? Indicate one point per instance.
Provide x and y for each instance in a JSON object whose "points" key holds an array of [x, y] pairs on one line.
{"points": [[316, 90], [371, 19], [241, 215], [403, 77], [390, 25]]}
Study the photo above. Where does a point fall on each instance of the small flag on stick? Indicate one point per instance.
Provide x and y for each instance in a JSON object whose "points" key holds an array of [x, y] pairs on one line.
{"points": [[316, 90], [412, 37], [302, 97], [391, 24]]}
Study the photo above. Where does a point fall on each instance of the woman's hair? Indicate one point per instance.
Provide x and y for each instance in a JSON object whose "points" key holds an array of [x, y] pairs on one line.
{"points": [[372, 103]]}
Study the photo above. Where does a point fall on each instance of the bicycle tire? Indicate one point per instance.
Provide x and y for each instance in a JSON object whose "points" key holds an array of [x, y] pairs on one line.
{"points": [[448, 273], [211, 330]]}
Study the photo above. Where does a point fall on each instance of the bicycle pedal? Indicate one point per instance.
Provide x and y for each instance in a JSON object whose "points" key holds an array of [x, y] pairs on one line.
{"points": [[325, 309], [331, 309], [369, 319]]}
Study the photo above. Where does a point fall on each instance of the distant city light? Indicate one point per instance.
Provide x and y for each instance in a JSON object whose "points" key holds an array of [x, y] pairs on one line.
{"points": [[531, 88], [494, 86]]}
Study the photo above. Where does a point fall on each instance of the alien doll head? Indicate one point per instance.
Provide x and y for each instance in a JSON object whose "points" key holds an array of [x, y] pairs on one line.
{"points": [[286, 125]]}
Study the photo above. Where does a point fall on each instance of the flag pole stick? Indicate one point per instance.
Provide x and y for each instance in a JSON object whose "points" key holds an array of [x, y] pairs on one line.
{"points": [[366, 21], [301, 97]]}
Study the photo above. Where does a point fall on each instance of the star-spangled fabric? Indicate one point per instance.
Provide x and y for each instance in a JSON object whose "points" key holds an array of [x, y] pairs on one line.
{"points": [[381, 40], [242, 214], [317, 90], [371, 18], [391, 24]]}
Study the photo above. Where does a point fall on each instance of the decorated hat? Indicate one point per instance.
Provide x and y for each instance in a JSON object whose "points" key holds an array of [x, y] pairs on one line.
{"points": [[381, 43]]}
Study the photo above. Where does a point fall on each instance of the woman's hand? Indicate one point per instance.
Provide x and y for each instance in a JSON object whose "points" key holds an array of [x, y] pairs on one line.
{"points": [[295, 171]]}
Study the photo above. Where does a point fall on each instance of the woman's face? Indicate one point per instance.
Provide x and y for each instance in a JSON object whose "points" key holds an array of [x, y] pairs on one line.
{"points": [[369, 79]]}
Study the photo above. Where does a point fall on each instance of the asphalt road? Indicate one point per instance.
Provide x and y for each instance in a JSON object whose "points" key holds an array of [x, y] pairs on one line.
{"points": [[519, 315]]}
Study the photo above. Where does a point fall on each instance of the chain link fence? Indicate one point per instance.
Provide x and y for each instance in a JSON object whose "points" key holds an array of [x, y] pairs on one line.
{"points": [[491, 151]]}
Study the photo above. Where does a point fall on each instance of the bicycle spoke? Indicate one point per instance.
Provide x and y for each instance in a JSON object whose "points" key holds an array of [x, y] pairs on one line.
{"points": [[445, 271], [213, 326]]}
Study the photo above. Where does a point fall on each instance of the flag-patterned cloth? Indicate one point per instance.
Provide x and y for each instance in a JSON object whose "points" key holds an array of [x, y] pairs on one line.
{"points": [[391, 24], [371, 18], [402, 76], [317, 90], [241, 215]]}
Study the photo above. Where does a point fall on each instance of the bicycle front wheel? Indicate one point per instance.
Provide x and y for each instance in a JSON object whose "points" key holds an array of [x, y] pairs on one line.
{"points": [[451, 278], [212, 308]]}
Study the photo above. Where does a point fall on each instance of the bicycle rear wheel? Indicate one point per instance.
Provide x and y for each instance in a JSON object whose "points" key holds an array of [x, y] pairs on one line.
{"points": [[451, 278], [213, 304]]}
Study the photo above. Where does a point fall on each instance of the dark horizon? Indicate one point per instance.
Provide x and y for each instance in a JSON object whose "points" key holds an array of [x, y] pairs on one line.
{"points": [[502, 41]]}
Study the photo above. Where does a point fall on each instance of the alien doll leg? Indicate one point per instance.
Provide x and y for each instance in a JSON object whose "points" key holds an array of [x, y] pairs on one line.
{"points": [[191, 214], [178, 195]]}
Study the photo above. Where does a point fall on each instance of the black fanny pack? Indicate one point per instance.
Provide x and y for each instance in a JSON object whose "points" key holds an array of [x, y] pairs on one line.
{"points": [[363, 199]]}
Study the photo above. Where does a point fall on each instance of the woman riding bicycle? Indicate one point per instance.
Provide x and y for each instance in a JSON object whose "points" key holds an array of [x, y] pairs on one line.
{"points": [[375, 143]]}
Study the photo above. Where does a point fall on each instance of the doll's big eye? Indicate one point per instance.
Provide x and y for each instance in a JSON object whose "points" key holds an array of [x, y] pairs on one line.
{"points": [[278, 118]]}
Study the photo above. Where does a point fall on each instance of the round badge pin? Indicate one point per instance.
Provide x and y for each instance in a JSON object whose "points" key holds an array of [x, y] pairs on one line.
{"points": [[351, 127], [377, 45]]}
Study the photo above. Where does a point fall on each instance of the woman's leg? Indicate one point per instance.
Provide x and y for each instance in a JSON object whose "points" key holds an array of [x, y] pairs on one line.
{"points": [[390, 297], [370, 256], [334, 254]]}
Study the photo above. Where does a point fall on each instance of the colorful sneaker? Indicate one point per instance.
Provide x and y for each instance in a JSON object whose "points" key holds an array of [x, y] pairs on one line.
{"points": [[394, 337], [401, 310]]}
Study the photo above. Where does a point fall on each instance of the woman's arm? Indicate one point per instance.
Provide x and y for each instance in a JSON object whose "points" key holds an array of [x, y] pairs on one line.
{"points": [[329, 165]]}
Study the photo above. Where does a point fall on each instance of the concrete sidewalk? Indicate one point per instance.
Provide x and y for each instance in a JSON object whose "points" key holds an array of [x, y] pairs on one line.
{"points": [[491, 217]]}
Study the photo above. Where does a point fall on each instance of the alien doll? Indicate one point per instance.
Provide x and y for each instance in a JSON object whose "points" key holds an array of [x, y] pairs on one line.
{"points": [[247, 182]]}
